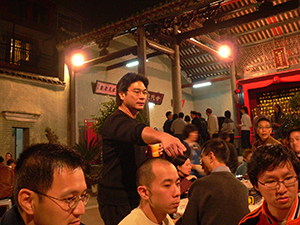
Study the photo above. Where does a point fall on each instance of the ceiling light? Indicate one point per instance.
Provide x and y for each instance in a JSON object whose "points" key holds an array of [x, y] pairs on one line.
{"points": [[132, 64], [225, 51], [201, 84]]}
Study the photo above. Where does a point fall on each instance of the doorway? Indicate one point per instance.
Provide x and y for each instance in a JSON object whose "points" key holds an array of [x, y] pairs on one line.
{"points": [[20, 140]]}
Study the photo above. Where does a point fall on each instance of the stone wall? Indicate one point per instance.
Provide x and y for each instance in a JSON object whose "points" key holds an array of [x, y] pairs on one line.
{"points": [[48, 101]]}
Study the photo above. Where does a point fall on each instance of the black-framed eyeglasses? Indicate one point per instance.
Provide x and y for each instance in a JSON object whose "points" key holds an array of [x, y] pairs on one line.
{"points": [[290, 181], [72, 201]]}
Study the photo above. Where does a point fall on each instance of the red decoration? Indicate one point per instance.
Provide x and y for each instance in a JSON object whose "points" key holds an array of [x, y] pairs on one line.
{"points": [[237, 91], [155, 97], [276, 80]]}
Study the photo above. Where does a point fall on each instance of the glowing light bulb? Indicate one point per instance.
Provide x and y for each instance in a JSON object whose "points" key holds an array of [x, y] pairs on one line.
{"points": [[77, 59]]}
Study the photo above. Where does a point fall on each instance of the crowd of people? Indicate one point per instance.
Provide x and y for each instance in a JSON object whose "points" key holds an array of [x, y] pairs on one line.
{"points": [[198, 162]]}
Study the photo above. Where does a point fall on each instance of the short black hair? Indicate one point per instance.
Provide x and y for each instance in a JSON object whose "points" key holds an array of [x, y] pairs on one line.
{"points": [[187, 118], [218, 147], [1, 159], [209, 110], [227, 114], [263, 119], [188, 129], [125, 82], [293, 129], [36, 165], [10, 161], [194, 112], [168, 113], [181, 115], [268, 157]]}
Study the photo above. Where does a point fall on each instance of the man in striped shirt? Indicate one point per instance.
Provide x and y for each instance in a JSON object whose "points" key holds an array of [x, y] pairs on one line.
{"points": [[273, 172]]}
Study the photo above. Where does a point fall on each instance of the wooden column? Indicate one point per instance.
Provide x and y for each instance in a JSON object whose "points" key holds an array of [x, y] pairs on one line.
{"points": [[233, 94], [142, 67], [61, 62], [176, 78], [73, 119]]}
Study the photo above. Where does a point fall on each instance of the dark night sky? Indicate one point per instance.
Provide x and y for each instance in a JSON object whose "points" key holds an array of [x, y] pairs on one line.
{"points": [[100, 12]]}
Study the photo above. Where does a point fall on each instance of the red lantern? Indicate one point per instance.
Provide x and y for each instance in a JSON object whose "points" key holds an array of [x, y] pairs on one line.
{"points": [[237, 91], [276, 80]]}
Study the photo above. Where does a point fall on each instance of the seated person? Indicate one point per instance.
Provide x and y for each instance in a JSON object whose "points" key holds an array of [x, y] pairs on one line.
{"points": [[49, 187], [184, 167], [217, 198], [273, 171], [12, 164], [233, 156], [159, 188], [264, 130], [190, 134], [294, 140], [8, 156], [242, 169], [6, 180]]}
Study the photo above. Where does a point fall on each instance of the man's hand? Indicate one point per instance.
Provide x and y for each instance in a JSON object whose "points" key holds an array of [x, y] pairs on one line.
{"points": [[171, 145]]}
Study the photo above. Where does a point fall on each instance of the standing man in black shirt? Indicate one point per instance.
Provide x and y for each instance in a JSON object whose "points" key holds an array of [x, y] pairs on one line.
{"points": [[168, 122], [122, 137]]}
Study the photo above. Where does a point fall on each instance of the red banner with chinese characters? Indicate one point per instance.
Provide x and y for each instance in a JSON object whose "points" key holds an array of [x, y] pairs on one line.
{"points": [[155, 97], [105, 88], [280, 58]]}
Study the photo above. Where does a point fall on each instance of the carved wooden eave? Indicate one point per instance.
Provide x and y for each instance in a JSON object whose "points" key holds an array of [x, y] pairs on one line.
{"points": [[170, 9], [20, 116]]}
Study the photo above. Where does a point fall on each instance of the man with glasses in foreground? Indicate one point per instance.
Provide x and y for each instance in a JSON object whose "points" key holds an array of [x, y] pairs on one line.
{"points": [[49, 187], [273, 173], [264, 130]]}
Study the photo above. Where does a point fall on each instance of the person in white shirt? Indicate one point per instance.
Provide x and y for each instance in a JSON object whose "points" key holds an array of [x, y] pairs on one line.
{"points": [[245, 128], [212, 124], [159, 188]]}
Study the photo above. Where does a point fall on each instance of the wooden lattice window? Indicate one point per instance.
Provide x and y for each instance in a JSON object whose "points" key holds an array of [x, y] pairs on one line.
{"points": [[19, 51]]}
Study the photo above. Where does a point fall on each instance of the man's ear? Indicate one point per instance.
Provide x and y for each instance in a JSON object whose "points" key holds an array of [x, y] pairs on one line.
{"points": [[121, 95], [143, 192], [26, 198], [211, 156]]}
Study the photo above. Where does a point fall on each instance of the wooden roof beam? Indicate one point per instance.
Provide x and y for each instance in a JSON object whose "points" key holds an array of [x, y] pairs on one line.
{"points": [[280, 8]]}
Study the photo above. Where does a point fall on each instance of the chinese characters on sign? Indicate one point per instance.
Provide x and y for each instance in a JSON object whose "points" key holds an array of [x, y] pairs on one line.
{"points": [[155, 97], [280, 58], [105, 88]]}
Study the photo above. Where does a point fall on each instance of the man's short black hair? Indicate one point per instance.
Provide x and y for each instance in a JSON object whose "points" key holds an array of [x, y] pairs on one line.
{"points": [[168, 113], [268, 157], [36, 165], [294, 129], [125, 82], [181, 115], [227, 114], [194, 112], [263, 119], [1, 159], [218, 147]]}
